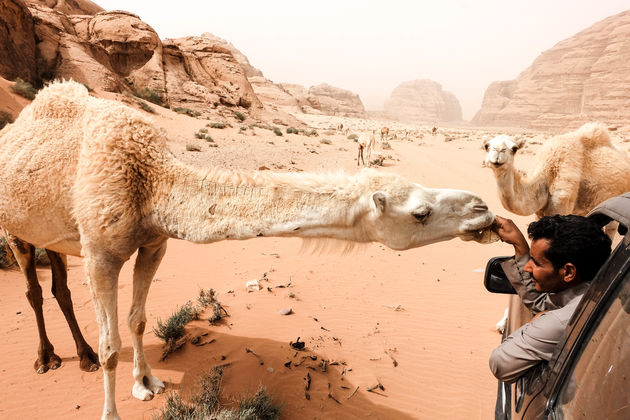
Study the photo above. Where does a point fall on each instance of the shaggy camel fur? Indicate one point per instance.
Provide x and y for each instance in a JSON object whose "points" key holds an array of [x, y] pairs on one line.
{"points": [[94, 178], [574, 172], [24, 254], [366, 145]]}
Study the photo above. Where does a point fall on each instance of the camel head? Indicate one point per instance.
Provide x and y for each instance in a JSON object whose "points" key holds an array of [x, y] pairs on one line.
{"points": [[404, 215], [500, 150]]}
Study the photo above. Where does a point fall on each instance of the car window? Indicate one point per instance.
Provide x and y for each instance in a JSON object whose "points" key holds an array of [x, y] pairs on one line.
{"points": [[598, 385]]}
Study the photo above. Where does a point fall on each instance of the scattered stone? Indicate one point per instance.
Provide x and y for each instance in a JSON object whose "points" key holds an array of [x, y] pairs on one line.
{"points": [[285, 311]]}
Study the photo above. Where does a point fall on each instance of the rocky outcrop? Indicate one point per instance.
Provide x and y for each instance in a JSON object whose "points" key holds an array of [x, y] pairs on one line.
{"points": [[69, 7], [583, 78], [17, 42], [422, 101], [250, 71], [274, 95], [320, 100], [201, 72], [330, 100], [116, 51]]}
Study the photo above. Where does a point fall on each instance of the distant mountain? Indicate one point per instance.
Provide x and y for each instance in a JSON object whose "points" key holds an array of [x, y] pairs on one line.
{"points": [[583, 78], [422, 101]]}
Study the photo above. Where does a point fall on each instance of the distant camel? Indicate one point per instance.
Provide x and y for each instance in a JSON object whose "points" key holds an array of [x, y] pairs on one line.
{"points": [[91, 177], [366, 144], [384, 133], [434, 131]]}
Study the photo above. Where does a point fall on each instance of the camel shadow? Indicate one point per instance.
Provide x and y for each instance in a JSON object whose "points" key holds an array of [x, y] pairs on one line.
{"points": [[281, 369]]}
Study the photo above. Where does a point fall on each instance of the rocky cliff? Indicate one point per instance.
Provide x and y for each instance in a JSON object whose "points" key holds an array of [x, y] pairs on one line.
{"points": [[583, 78], [422, 101], [116, 51]]}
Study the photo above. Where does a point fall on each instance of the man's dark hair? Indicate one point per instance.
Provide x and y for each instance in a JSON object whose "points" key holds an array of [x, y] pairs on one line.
{"points": [[573, 239]]}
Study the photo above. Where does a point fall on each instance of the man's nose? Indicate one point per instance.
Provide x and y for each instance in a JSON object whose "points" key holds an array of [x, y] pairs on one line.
{"points": [[528, 267]]}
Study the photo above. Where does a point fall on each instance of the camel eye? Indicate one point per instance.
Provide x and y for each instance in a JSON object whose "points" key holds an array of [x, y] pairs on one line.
{"points": [[486, 146], [421, 215], [514, 149]]}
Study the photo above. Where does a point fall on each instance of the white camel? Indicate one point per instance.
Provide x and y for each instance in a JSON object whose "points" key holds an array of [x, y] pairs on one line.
{"points": [[93, 178], [573, 174], [365, 147]]}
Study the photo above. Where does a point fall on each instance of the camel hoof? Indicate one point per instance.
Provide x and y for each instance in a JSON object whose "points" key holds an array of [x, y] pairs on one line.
{"points": [[41, 369], [155, 385], [89, 361], [49, 362], [141, 392]]}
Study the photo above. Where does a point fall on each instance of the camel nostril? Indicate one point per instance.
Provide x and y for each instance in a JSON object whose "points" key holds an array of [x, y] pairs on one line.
{"points": [[480, 207]]}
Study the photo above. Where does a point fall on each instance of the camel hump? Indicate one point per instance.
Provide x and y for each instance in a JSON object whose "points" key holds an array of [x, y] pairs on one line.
{"points": [[60, 99], [594, 134]]}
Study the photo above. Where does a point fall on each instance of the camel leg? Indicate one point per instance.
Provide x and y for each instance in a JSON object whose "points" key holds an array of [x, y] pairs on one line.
{"points": [[25, 256], [88, 360], [147, 262], [360, 157], [102, 271]]}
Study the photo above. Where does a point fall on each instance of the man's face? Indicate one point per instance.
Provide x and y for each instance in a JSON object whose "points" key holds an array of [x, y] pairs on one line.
{"points": [[546, 278]]}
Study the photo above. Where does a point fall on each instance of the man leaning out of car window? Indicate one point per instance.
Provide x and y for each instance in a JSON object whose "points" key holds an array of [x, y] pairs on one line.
{"points": [[550, 278]]}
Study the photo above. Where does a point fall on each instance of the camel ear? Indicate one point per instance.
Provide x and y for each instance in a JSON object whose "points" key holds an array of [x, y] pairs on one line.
{"points": [[518, 143], [379, 201]]}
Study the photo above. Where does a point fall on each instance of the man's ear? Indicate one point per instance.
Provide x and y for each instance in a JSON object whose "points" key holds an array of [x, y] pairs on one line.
{"points": [[379, 201], [570, 272]]}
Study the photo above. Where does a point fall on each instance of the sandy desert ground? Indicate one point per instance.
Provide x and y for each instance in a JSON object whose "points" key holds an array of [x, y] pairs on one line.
{"points": [[426, 308]]}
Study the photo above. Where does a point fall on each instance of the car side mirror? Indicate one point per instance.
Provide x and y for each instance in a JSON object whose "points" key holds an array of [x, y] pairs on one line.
{"points": [[495, 279]]}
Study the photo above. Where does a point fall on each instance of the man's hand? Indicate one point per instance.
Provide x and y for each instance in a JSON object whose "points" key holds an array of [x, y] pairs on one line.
{"points": [[510, 233]]}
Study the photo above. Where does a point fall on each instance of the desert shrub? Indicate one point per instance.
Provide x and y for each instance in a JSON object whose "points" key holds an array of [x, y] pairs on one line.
{"points": [[205, 403], [277, 131], [146, 107], [148, 94], [213, 145], [260, 125], [173, 328], [187, 111], [203, 130], [5, 118], [386, 146], [325, 141], [239, 115], [353, 137], [193, 147], [311, 132], [209, 139], [217, 125], [378, 161], [200, 135], [292, 130], [23, 88]]}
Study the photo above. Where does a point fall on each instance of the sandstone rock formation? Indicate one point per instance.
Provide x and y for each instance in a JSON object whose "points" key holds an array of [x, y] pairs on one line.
{"points": [[319, 100], [330, 100], [116, 51], [17, 42], [250, 71], [422, 101], [201, 72], [583, 78]]}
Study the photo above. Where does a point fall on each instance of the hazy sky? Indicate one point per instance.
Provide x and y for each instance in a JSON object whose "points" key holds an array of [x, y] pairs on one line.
{"points": [[370, 47]]}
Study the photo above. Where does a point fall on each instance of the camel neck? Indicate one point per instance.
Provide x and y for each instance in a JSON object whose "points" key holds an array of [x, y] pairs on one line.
{"points": [[207, 206]]}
